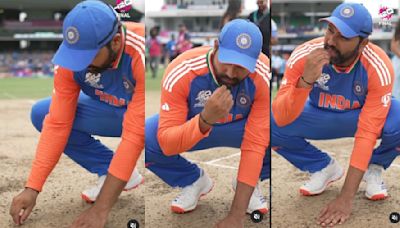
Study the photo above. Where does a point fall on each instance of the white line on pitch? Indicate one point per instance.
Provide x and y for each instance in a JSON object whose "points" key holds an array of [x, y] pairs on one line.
{"points": [[212, 164], [222, 158], [221, 166]]}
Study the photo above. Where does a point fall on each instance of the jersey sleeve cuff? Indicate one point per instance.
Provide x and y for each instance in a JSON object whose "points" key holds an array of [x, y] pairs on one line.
{"points": [[250, 167]]}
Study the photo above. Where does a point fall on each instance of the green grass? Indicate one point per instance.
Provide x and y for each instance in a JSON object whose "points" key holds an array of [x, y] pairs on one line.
{"points": [[273, 93], [154, 84], [35, 87], [28, 88]]}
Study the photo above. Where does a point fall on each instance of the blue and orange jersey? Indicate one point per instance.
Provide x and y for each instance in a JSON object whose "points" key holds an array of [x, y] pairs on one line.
{"points": [[366, 84], [187, 84], [120, 86]]}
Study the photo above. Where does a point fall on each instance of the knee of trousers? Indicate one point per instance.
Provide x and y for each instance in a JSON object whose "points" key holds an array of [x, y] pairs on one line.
{"points": [[38, 113], [278, 136], [391, 129], [153, 151]]}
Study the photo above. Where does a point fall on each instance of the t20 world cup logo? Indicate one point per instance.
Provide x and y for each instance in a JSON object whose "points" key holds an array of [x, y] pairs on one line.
{"points": [[385, 13], [123, 7]]}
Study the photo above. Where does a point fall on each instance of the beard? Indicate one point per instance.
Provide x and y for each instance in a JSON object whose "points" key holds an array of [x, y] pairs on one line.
{"points": [[341, 58], [223, 79], [112, 56]]}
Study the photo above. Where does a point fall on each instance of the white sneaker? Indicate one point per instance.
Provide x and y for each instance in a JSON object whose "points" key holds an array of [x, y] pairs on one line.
{"points": [[187, 200], [320, 180], [257, 200], [375, 188], [90, 195]]}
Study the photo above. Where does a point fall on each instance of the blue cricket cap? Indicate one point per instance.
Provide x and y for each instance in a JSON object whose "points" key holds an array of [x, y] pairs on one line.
{"points": [[351, 19], [240, 43], [86, 29]]}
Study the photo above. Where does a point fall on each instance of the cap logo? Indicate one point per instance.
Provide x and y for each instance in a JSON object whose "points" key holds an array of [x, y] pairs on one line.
{"points": [[72, 35], [243, 41], [347, 11]]}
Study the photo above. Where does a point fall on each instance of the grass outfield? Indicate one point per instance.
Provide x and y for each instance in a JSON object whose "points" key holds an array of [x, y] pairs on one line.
{"points": [[35, 87], [28, 88]]}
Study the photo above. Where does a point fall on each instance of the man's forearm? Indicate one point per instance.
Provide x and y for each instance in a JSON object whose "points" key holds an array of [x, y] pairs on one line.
{"points": [[109, 194], [241, 199], [352, 182]]}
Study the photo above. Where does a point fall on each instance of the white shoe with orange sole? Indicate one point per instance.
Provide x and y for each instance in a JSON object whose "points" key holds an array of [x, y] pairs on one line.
{"points": [[320, 180], [90, 195], [375, 188], [188, 198]]}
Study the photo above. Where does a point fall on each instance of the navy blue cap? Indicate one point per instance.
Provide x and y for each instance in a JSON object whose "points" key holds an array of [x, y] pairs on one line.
{"points": [[86, 29], [240, 43], [351, 19]]}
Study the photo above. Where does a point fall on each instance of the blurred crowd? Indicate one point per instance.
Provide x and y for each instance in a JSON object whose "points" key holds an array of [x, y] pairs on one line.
{"points": [[162, 51], [26, 64]]}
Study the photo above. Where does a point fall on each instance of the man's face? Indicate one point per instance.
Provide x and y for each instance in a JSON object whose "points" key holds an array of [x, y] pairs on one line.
{"points": [[229, 74], [262, 5], [103, 60], [342, 51]]}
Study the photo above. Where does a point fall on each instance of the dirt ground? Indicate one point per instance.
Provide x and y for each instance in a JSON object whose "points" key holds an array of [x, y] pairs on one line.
{"points": [[59, 202], [289, 208], [214, 206]]}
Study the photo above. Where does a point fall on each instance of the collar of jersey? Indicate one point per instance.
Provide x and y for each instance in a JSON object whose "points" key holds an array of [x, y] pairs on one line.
{"points": [[121, 50], [210, 54], [348, 69]]}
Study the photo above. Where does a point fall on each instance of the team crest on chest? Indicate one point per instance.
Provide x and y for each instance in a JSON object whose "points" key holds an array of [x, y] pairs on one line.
{"points": [[128, 86], [358, 89], [202, 98], [243, 100], [322, 80], [93, 80]]}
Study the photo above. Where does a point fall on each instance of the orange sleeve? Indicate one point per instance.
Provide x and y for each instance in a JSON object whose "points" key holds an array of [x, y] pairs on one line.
{"points": [[56, 127], [290, 100], [374, 112], [176, 134], [257, 130], [132, 138]]}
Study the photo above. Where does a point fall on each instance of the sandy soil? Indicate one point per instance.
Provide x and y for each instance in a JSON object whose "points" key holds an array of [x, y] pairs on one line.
{"points": [[213, 206], [289, 208], [60, 201]]}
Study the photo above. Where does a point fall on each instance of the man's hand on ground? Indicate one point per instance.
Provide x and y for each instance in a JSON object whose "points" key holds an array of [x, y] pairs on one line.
{"points": [[22, 205]]}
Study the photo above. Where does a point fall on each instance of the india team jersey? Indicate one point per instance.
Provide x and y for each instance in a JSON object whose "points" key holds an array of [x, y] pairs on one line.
{"points": [[121, 86], [186, 86], [366, 84]]}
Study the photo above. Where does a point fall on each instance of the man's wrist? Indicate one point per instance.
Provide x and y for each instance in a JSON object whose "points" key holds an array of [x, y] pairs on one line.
{"points": [[32, 190], [307, 82], [202, 118], [234, 212], [347, 194], [101, 208]]}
